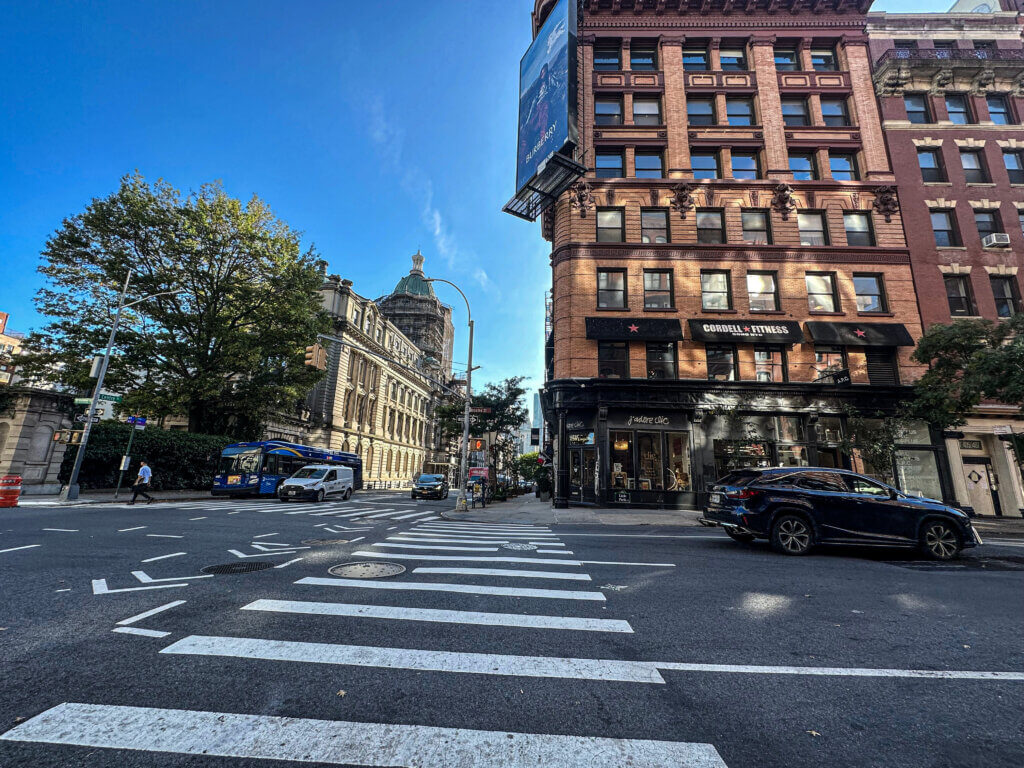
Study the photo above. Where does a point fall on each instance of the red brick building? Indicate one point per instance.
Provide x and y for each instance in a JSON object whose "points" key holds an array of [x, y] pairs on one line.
{"points": [[731, 272], [951, 90]]}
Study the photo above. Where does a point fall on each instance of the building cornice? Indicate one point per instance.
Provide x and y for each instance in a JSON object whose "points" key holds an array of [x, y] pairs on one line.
{"points": [[723, 253]]}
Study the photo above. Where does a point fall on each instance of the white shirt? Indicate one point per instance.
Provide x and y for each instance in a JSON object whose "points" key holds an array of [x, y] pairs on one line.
{"points": [[145, 473]]}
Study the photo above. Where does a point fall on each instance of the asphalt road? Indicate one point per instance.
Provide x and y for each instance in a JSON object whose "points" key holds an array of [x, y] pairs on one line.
{"points": [[642, 647]]}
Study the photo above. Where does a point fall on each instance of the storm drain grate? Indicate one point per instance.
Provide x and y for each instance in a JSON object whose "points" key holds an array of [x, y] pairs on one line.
{"points": [[233, 568], [517, 546], [1009, 563], [324, 542], [366, 570]]}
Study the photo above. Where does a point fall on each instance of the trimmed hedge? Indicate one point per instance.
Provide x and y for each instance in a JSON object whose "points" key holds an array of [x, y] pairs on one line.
{"points": [[179, 460]]}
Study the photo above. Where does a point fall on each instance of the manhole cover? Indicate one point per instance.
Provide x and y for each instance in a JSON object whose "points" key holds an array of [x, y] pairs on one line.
{"points": [[521, 547], [230, 568], [324, 542], [367, 570]]}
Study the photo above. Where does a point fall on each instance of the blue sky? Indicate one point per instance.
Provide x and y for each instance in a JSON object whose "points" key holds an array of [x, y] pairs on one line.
{"points": [[375, 128]]}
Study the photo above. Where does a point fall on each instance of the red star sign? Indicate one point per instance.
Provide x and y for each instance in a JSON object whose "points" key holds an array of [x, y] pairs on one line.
{"points": [[634, 328], [746, 328], [860, 333]]}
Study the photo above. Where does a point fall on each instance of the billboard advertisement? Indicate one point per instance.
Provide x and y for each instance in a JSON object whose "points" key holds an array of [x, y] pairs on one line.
{"points": [[547, 92]]}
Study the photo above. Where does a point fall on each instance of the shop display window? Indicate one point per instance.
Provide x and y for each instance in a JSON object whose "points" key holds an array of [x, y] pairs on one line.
{"points": [[621, 452], [649, 465], [677, 470], [789, 429], [917, 474], [793, 456], [829, 429]]}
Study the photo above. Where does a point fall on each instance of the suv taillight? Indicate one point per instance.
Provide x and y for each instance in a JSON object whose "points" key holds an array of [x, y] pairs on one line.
{"points": [[743, 494]]}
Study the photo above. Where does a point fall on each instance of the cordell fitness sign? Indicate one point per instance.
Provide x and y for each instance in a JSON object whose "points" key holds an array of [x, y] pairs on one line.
{"points": [[780, 332]]}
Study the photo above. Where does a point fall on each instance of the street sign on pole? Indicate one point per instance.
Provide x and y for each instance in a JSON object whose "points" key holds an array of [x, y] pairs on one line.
{"points": [[125, 461], [83, 400], [87, 419], [111, 398], [479, 410]]}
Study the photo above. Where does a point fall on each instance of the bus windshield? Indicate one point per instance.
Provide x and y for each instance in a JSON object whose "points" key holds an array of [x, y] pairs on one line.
{"points": [[239, 460], [308, 473]]}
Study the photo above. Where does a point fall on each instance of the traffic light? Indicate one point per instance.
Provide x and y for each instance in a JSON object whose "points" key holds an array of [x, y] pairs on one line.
{"points": [[476, 444], [316, 357], [68, 436]]}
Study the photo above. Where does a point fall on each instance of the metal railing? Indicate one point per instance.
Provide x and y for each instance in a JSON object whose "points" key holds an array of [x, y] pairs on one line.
{"points": [[949, 54]]}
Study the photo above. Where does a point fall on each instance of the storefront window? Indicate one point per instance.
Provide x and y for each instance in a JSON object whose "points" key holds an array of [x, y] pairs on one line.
{"points": [[916, 433], [793, 456], [677, 471], [917, 474], [648, 453], [829, 429], [738, 454], [622, 460], [789, 429]]}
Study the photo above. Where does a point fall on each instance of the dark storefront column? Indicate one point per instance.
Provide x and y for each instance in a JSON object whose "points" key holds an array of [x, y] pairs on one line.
{"points": [[561, 462]]}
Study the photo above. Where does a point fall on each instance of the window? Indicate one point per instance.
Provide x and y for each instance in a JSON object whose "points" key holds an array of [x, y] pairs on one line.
{"points": [[611, 225], [824, 60], [944, 229], [974, 166], [956, 106], [732, 59], [755, 227], [984, 48], [654, 225], [643, 57], [721, 359], [769, 363], [804, 166], [944, 45], [647, 165], [930, 161], [812, 228], [1004, 289], [646, 110], [1020, 220], [763, 291], [1014, 161], [870, 293], [710, 227], [607, 57], [661, 360], [998, 109], [608, 165], [744, 164], [608, 112], [843, 166], [794, 112], [858, 228], [695, 59], [705, 165], [821, 292], [739, 110], [611, 289], [613, 360], [786, 60], [987, 223], [828, 359], [700, 111], [864, 487], [834, 112], [657, 289], [958, 293], [917, 108], [715, 290]]}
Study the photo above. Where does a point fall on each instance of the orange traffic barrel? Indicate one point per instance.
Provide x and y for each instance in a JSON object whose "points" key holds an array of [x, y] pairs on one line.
{"points": [[10, 490]]}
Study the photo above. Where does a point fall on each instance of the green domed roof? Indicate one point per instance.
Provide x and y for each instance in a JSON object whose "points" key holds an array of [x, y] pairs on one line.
{"points": [[415, 282]]}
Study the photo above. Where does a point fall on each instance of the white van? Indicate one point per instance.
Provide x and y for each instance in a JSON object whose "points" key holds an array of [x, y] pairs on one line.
{"points": [[316, 482]]}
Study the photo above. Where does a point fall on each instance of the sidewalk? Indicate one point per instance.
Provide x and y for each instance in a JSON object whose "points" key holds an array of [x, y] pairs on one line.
{"points": [[529, 509], [107, 496]]}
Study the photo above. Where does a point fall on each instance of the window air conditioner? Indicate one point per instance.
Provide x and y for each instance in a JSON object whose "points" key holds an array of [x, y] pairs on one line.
{"points": [[996, 240]]}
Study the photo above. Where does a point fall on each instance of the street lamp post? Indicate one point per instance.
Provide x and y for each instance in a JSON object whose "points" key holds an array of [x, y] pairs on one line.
{"points": [[460, 505], [70, 492]]}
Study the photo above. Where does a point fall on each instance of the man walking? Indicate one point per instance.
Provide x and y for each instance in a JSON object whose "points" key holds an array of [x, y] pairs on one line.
{"points": [[142, 483]]}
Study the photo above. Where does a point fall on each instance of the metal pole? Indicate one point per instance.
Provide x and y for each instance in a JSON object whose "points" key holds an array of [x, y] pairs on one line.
{"points": [[461, 505], [128, 453], [71, 491]]}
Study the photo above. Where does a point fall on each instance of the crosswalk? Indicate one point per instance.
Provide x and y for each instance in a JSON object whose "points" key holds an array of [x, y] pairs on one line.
{"points": [[521, 593]]}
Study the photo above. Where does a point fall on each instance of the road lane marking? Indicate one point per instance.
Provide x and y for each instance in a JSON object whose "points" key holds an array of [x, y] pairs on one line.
{"points": [[163, 536], [151, 612], [468, 558], [136, 528], [930, 674], [197, 518], [483, 528], [337, 742], [467, 535], [554, 552], [140, 631], [472, 589], [15, 549], [613, 562], [283, 565], [527, 621], [264, 535], [436, 547], [506, 572], [163, 557], [99, 587], [147, 579], [410, 540], [412, 514], [412, 658], [63, 530], [357, 513], [353, 541], [238, 554]]}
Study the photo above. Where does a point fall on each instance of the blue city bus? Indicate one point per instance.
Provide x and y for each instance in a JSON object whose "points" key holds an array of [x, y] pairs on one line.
{"points": [[247, 469]]}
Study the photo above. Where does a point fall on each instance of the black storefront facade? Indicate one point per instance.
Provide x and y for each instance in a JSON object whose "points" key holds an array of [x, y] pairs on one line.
{"points": [[661, 443]]}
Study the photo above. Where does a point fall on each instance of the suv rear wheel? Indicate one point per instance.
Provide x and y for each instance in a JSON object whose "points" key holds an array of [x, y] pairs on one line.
{"points": [[939, 540], [792, 535]]}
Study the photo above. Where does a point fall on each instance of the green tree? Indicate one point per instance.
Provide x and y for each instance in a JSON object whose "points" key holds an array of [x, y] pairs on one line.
{"points": [[874, 437], [227, 351], [968, 361], [528, 465]]}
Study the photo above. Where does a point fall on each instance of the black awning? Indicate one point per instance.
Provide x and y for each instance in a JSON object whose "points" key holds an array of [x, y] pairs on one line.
{"points": [[634, 328], [760, 331], [861, 334]]}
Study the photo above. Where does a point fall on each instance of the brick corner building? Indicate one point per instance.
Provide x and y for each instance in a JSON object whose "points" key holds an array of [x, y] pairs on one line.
{"points": [[731, 273], [951, 90]]}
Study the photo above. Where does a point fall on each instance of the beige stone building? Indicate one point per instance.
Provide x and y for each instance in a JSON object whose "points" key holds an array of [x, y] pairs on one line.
{"points": [[10, 346], [27, 447]]}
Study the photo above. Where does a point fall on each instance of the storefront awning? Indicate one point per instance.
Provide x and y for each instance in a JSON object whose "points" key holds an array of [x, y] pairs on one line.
{"points": [[861, 334], [767, 332], [634, 329]]}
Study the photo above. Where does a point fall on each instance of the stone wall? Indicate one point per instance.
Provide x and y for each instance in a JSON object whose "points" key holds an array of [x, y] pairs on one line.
{"points": [[27, 447]]}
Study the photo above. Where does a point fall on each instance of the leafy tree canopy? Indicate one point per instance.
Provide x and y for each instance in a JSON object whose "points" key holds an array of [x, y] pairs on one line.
{"points": [[227, 351], [507, 413]]}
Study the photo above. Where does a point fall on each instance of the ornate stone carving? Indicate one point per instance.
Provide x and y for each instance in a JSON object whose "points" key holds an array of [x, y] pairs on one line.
{"points": [[983, 82], [1018, 85], [886, 202], [892, 82], [855, 200], [609, 197], [941, 80], [654, 198], [783, 200], [682, 198], [755, 198], [581, 198]]}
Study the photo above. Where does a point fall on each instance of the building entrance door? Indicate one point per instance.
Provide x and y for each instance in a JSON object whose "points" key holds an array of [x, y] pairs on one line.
{"points": [[982, 486], [582, 463]]}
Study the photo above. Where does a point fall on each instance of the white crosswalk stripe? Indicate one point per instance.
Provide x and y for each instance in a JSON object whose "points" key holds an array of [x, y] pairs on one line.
{"points": [[472, 589], [506, 572], [434, 547]]}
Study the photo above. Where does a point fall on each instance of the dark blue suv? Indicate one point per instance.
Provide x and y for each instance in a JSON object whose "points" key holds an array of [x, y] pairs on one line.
{"points": [[798, 507]]}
